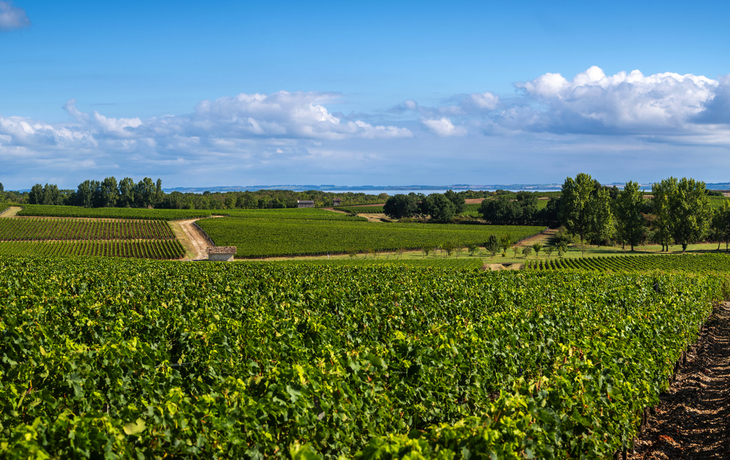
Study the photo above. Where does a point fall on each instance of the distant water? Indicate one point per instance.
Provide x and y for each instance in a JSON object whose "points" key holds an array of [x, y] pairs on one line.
{"points": [[392, 192]]}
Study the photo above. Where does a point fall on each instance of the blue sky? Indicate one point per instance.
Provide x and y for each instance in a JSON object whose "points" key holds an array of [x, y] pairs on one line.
{"points": [[350, 93]]}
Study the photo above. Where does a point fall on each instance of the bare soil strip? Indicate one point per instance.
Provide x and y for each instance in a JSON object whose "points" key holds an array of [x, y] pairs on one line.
{"points": [[197, 239], [692, 419]]}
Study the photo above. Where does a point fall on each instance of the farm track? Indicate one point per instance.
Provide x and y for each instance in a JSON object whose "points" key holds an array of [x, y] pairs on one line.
{"points": [[196, 237], [11, 211], [692, 420]]}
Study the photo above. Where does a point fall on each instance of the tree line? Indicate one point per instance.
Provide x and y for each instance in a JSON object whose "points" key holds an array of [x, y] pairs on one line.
{"points": [[678, 211], [146, 193]]}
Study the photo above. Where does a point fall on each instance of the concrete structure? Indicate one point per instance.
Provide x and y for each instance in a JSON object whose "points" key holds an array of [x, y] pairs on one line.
{"points": [[336, 202], [305, 204], [221, 253]]}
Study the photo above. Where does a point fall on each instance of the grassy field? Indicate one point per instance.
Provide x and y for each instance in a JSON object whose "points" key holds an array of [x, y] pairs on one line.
{"points": [[282, 237]]}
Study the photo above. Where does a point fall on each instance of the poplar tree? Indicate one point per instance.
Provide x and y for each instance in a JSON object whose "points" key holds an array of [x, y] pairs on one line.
{"points": [[629, 221]]}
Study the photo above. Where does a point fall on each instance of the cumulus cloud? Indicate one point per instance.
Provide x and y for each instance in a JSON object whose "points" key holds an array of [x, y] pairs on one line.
{"points": [[443, 127], [12, 17], [624, 103], [284, 114]]}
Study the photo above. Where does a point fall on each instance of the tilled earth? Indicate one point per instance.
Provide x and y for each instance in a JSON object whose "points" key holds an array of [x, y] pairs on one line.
{"points": [[691, 421]]}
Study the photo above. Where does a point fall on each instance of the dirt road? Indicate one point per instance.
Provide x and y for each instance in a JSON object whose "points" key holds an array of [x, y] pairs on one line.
{"points": [[196, 237], [692, 420]]}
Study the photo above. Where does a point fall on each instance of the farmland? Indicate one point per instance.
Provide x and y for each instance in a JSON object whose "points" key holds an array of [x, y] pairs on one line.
{"points": [[112, 213], [71, 229], [280, 237], [144, 249], [686, 262], [153, 359]]}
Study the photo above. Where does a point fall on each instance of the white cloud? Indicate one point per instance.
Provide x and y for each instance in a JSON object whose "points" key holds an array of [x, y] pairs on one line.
{"points": [[622, 103], [482, 101], [284, 114], [443, 127], [12, 17]]}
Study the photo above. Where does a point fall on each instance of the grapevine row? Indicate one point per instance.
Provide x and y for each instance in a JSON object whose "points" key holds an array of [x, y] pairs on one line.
{"points": [[685, 262], [149, 249], [138, 358], [74, 229]]}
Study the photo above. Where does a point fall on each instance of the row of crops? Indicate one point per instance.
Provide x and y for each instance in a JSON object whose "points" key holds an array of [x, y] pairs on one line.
{"points": [[465, 263], [144, 249], [685, 262], [361, 209], [40, 210], [150, 359], [281, 237], [75, 229], [178, 214]]}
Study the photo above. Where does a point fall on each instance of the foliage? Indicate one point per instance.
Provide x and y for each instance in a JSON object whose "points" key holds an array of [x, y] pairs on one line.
{"points": [[133, 359], [441, 209], [262, 237], [705, 263], [721, 225], [585, 209], [690, 212], [630, 224], [73, 229], [400, 205], [141, 249]]}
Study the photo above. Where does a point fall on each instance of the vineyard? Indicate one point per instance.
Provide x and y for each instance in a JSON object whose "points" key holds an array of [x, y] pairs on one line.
{"points": [[69, 229], [280, 237], [685, 262], [39, 210], [148, 359], [463, 263], [361, 209], [149, 249]]}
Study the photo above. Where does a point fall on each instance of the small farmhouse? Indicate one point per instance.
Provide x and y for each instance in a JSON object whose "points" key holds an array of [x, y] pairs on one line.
{"points": [[305, 204], [221, 253], [336, 202]]}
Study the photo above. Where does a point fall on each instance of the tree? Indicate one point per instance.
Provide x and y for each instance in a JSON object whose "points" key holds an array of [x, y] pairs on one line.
{"points": [[108, 192], [400, 205], [36, 194], [144, 192], [537, 247], [159, 194], [690, 212], [51, 194], [126, 193], [85, 194], [442, 209], [721, 226], [500, 209], [630, 224], [574, 209], [492, 244], [600, 216], [457, 200], [661, 192], [527, 202], [2, 188], [505, 242]]}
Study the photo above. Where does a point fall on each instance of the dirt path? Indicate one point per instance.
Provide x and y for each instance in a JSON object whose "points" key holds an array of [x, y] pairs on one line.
{"points": [[692, 419], [11, 211], [199, 244]]}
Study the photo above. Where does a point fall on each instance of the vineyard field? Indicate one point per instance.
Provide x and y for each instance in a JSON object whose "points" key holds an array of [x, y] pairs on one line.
{"points": [[361, 209], [277, 237], [292, 213], [138, 358], [461, 263], [38, 210], [69, 229], [669, 262], [146, 249]]}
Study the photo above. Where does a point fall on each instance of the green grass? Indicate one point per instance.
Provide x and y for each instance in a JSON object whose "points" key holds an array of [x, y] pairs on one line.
{"points": [[282, 237]]}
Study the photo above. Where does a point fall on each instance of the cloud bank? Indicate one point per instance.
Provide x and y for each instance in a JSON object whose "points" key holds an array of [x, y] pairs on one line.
{"points": [[296, 132], [12, 17]]}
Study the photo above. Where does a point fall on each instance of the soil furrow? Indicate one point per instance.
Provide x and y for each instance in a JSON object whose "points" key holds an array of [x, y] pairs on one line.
{"points": [[691, 421]]}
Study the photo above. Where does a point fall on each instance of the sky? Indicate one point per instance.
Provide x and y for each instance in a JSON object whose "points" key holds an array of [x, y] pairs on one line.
{"points": [[248, 93]]}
